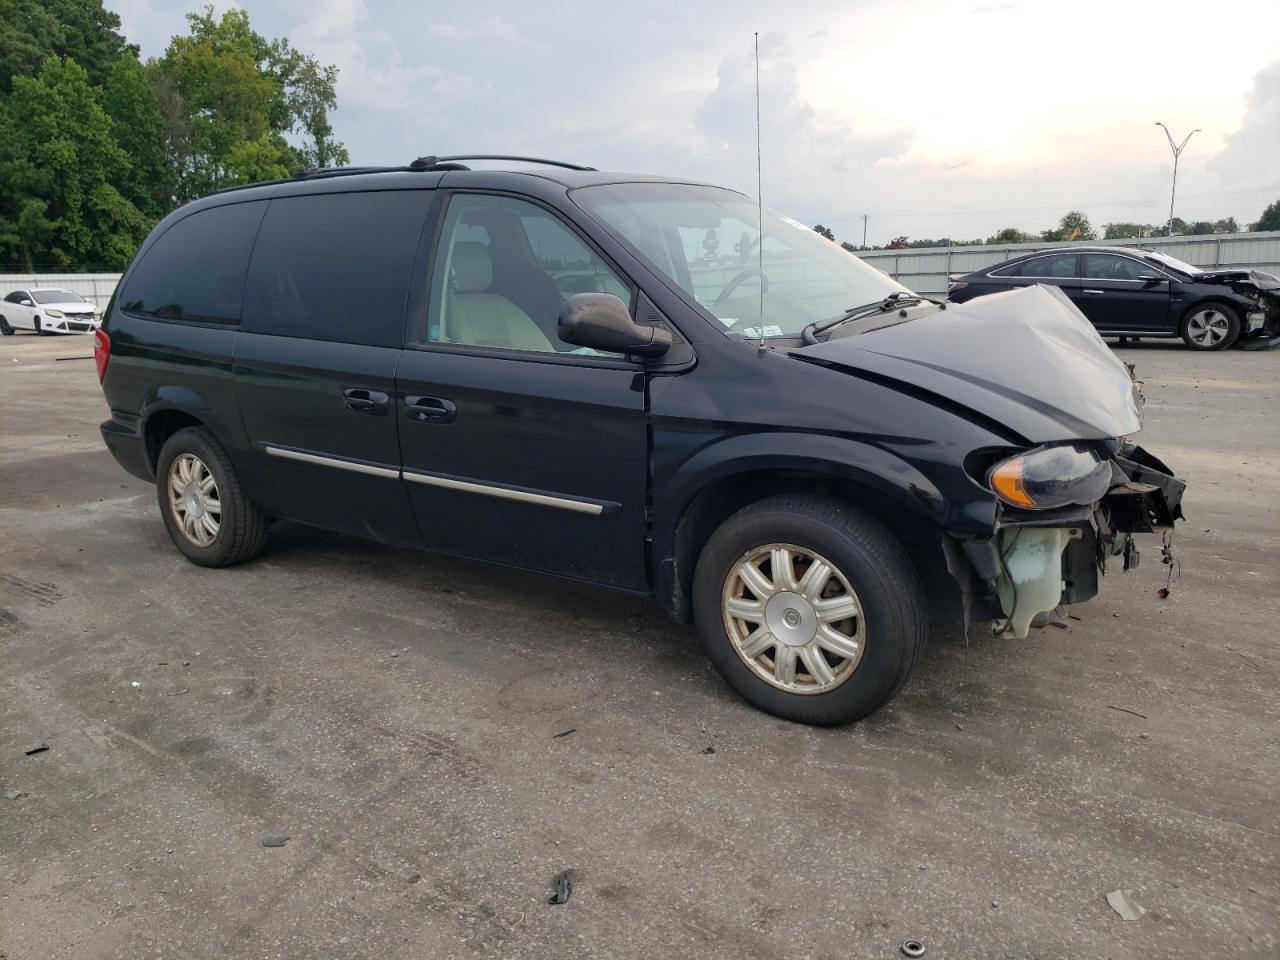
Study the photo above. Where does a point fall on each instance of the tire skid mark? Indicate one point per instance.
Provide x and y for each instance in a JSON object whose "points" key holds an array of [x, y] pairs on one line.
{"points": [[45, 594]]}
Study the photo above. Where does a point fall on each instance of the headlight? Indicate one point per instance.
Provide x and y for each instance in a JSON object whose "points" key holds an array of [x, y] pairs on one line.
{"points": [[1050, 477], [56, 314]]}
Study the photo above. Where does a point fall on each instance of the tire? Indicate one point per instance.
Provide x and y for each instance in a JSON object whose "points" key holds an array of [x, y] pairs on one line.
{"points": [[888, 631], [5, 329], [1210, 326], [39, 329], [241, 527]]}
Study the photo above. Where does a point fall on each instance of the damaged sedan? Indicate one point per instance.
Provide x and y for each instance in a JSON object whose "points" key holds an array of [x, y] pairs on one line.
{"points": [[648, 385], [1131, 293]]}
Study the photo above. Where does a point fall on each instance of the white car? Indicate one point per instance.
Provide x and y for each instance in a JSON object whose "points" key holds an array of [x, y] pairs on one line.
{"points": [[47, 310]]}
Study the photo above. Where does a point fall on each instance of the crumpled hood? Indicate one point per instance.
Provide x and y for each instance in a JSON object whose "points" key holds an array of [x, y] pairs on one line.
{"points": [[1263, 281], [1026, 358]]}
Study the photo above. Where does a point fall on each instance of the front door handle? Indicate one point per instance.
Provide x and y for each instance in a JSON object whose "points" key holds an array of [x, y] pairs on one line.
{"points": [[359, 400], [431, 409], [1094, 292]]}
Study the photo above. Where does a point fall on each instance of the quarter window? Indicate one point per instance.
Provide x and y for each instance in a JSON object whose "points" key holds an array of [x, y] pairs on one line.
{"points": [[502, 272], [336, 266], [195, 270]]}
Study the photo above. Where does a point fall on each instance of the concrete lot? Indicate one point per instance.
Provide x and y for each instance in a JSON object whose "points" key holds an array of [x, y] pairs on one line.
{"points": [[395, 715]]}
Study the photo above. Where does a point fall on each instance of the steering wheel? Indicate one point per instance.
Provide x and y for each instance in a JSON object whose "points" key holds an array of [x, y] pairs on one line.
{"points": [[738, 280]]}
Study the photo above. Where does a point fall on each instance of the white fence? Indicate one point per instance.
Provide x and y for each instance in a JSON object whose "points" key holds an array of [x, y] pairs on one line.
{"points": [[926, 269], [97, 287]]}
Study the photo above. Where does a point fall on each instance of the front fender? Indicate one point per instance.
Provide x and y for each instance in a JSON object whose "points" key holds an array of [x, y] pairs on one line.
{"points": [[773, 455]]}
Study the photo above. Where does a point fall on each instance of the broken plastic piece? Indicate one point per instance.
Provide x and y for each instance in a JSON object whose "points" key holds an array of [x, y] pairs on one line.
{"points": [[564, 888], [36, 748], [270, 840], [1126, 908]]}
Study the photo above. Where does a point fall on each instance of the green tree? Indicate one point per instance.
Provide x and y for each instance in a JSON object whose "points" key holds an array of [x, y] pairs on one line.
{"points": [[62, 207], [1074, 225], [138, 127], [230, 97], [1124, 230], [31, 31], [1270, 219], [1228, 225], [822, 231], [1010, 235]]}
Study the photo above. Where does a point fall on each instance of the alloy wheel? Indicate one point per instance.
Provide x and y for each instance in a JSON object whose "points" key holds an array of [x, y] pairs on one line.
{"points": [[793, 618], [193, 498], [1208, 327]]}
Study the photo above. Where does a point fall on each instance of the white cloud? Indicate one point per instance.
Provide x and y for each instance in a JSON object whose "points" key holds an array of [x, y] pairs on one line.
{"points": [[1249, 157]]}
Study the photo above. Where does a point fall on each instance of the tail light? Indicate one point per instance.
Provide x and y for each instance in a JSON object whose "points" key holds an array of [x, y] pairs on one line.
{"points": [[956, 285], [101, 352]]}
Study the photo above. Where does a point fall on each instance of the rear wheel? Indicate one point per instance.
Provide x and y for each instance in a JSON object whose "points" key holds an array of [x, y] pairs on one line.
{"points": [[5, 329], [809, 609], [1210, 326], [208, 516]]}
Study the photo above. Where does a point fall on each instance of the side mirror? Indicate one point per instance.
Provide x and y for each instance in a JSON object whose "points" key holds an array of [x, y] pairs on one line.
{"points": [[601, 321], [1151, 278], [26, 303]]}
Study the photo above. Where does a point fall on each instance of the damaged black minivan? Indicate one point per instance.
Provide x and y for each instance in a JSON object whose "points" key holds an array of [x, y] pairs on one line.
{"points": [[634, 382]]}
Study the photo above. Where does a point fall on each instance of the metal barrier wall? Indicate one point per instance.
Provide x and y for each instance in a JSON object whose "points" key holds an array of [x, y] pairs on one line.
{"points": [[923, 269], [926, 269]]}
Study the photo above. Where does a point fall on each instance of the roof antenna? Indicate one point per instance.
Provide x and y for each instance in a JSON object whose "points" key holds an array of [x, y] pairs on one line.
{"points": [[759, 201]]}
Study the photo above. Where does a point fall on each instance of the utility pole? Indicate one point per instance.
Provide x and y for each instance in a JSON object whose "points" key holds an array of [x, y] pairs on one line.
{"points": [[1177, 152], [864, 231]]}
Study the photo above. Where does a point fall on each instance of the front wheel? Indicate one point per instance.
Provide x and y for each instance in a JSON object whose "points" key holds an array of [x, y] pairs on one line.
{"points": [[809, 609], [1210, 326], [207, 513]]}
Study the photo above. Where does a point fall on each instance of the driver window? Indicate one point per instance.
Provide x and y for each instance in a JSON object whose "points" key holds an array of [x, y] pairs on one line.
{"points": [[504, 269]]}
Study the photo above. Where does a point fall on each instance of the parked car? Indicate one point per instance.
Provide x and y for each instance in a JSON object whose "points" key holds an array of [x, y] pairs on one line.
{"points": [[618, 380], [47, 310], [1129, 293]]}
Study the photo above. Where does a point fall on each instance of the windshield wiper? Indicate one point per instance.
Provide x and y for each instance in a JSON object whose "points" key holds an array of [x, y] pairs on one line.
{"points": [[901, 298]]}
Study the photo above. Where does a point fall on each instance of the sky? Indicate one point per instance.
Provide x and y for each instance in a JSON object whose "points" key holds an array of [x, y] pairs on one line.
{"points": [[931, 118]]}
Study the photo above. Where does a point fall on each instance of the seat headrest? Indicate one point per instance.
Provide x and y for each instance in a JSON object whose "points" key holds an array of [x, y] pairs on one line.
{"points": [[472, 268]]}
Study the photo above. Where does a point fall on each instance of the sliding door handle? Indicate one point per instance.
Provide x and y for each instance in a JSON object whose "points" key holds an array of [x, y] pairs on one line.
{"points": [[359, 400], [430, 409]]}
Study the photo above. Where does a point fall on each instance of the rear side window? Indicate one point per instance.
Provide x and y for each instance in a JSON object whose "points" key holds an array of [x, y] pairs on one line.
{"points": [[1056, 265], [336, 266], [195, 270]]}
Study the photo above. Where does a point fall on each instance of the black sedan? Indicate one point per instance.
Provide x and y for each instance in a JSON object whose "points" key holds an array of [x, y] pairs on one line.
{"points": [[1127, 292]]}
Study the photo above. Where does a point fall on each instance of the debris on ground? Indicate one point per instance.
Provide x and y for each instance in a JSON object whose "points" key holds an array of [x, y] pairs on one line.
{"points": [[709, 750], [564, 733], [912, 948], [413, 877], [564, 888], [1126, 908], [271, 840], [14, 794], [1133, 713], [135, 684], [36, 748]]}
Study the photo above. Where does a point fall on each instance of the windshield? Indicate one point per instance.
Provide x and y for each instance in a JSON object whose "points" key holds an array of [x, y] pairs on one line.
{"points": [[56, 296], [1175, 263], [707, 241]]}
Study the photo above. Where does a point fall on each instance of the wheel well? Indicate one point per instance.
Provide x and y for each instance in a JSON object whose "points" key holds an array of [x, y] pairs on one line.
{"points": [[163, 425], [1235, 308], [722, 498]]}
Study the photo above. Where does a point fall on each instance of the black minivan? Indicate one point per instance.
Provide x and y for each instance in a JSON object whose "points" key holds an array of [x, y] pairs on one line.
{"points": [[626, 381]]}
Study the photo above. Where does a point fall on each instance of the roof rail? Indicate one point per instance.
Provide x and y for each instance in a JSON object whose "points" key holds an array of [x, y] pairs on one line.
{"points": [[435, 163]]}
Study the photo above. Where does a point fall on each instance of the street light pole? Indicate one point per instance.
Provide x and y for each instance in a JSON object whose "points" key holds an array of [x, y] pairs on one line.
{"points": [[1177, 152]]}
